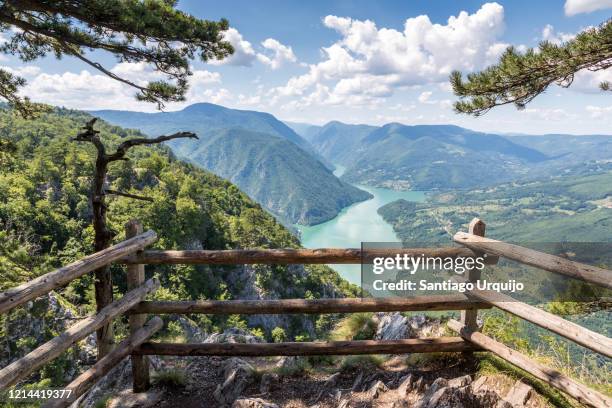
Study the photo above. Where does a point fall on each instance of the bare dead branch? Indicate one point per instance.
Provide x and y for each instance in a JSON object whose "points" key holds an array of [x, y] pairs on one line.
{"points": [[128, 195]]}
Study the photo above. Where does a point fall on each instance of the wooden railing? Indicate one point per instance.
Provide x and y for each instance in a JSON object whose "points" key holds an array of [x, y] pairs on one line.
{"points": [[131, 253]]}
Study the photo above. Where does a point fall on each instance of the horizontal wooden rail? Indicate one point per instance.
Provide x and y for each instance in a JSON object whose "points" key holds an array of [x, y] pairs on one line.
{"points": [[578, 334], [43, 284], [83, 382], [310, 306], [40, 356], [286, 256], [552, 263], [553, 377], [427, 345]]}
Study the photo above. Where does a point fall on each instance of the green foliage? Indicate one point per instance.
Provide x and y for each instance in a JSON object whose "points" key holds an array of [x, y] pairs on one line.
{"points": [[571, 208], [424, 157], [152, 31], [45, 218], [519, 77], [278, 335]]}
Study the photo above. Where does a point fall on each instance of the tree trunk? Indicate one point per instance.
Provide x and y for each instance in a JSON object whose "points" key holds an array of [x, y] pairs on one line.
{"points": [[102, 240]]}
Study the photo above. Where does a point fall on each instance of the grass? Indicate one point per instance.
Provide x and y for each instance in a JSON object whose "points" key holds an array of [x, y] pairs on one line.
{"points": [[362, 362], [357, 326], [490, 365], [171, 378]]}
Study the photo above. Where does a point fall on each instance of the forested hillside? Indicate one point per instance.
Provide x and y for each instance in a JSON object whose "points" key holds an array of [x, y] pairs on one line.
{"points": [[262, 155], [445, 157], [45, 217], [574, 208]]}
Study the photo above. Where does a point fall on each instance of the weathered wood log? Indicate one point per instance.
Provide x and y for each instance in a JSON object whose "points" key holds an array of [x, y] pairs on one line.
{"points": [[136, 277], [287, 256], [470, 317], [310, 306], [553, 377], [40, 356], [578, 334], [552, 263], [83, 382], [43, 284], [426, 345]]}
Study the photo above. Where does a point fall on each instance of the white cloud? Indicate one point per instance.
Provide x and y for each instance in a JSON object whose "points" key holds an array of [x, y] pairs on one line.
{"points": [[548, 114], [424, 97], [75, 90], [25, 71], [281, 54], [243, 55], [600, 111], [573, 7], [549, 34], [369, 62], [276, 54]]}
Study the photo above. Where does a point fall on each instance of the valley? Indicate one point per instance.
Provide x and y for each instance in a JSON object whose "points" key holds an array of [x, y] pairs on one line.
{"points": [[257, 152]]}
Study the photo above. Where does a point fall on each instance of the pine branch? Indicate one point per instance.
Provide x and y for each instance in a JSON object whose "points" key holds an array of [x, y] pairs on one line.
{"points": [[518, 78]]}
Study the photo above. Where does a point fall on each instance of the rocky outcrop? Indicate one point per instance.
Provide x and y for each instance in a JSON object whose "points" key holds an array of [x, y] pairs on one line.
{"points": [[395, 326], [461, 392], [237, 374], [38, 321], [391, 326]]}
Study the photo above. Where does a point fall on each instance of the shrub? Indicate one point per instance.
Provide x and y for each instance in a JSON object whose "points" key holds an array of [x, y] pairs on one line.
{"points": [[278, 335]]}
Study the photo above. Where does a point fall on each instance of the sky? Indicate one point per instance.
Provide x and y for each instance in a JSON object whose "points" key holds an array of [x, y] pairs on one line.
{"points": [[370, 62]]}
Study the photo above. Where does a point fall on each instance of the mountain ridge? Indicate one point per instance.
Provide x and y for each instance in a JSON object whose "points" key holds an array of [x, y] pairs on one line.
{"points": [[298, 188]]}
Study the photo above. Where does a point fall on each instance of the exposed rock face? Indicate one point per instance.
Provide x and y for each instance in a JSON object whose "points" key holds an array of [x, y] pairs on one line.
{"points": [[243, 283], [391, 326], [395, 326], [35, 323], [238, 374], [190, 329]]}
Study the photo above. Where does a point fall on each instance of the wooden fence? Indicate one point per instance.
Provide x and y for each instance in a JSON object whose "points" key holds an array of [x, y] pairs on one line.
{"points": [[131, 252]]}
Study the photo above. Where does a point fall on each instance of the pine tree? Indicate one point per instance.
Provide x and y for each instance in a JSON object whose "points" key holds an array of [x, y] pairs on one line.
{"points": [[519, 77], [150, 31]]}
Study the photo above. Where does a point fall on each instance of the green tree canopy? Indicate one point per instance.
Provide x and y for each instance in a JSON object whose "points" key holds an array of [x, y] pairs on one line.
{"points": [[150, 31], [519, 77]]}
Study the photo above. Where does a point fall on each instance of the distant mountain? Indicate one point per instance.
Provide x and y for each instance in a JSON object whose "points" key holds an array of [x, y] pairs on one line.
{"points": [[275, 172], [339, 142], [422, 157], [201, 118], [262, 155], [303, 129]]}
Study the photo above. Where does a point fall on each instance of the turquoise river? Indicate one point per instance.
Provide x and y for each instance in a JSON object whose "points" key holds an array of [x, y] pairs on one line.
{"points": [[357, 223]]}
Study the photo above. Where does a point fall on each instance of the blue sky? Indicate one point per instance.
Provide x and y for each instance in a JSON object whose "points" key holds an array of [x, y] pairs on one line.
{"points": [[358, 62]]}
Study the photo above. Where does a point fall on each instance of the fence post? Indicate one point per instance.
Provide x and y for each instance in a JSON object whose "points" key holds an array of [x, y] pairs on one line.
{"points": [[469, 317], [135, 278]]}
